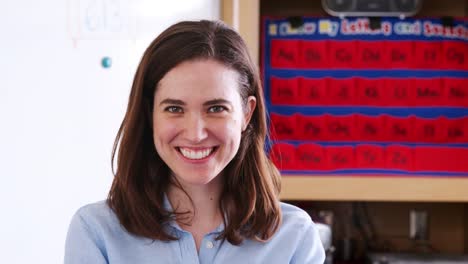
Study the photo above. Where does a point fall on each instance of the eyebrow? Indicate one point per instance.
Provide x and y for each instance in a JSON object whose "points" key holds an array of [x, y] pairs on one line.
{"points": [[172, 102], [217, 101], [207, 103]]}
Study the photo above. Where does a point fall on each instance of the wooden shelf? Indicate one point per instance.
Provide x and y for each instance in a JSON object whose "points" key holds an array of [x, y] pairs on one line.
{"points": [[374, 188]]}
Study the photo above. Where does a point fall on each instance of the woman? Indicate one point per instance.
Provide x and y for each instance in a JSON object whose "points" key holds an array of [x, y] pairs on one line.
{"points": [[193, 183]]}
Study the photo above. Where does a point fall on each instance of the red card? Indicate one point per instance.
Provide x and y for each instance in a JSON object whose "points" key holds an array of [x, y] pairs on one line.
{"points": [[429, 130], [456, 91], [457, 130], [427, 92], [284, 156], [341, 128], [283, 127], [311, 157], [399, 129], [370, 128], [398, 54], [399, 157], [313, 91], [441, 159], [427, 54], [455, 55], [397, 92], [284, 91], [370, 54], [342, 91], [340, 157], [314, 54], [370, 157], [342, 54], [371, 91], [284, 53], [311, 127]]}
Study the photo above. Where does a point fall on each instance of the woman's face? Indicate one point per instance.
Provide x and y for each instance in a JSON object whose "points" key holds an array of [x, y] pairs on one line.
{"points": [[198, 118]]}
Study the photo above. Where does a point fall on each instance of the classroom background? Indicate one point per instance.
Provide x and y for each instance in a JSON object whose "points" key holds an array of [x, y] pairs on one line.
{"points": [[66, 70]]}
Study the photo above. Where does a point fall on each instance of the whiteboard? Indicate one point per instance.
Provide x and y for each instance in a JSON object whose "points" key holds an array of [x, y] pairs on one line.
{"points": [[60, 109]]}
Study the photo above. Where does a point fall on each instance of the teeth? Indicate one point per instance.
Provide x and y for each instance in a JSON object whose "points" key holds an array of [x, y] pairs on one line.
{"points": [[195, 154]]}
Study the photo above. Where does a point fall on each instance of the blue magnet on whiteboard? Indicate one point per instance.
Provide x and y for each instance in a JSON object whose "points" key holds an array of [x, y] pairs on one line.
{"points": [[106, 62]]}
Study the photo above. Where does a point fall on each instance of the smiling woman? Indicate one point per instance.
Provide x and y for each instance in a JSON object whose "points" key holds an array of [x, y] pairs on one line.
{"points": [[193, 183]]}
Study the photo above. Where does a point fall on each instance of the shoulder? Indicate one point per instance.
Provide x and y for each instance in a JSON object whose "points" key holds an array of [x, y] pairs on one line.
{"points": [[295, 216], [96, 218], [295, 222], [95, 235], [88, 231], [96, 212], [299, 230]]}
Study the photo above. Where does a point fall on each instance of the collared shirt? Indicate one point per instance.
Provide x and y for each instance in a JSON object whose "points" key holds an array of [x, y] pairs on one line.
{"points": [[96, 236]]}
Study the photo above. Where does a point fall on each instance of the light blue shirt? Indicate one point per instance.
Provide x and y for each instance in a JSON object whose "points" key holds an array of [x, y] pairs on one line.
{"points": [[96, 236]]}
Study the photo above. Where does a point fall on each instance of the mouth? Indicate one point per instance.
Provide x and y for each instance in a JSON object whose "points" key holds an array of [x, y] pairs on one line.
{"points": [[196, 154]]}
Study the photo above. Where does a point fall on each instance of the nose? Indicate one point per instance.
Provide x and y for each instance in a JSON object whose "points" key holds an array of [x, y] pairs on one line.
{"points": [[195, 128]]}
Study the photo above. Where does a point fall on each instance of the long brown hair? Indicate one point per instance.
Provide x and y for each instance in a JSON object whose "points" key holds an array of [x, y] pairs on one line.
{"points": [[249, 199]]}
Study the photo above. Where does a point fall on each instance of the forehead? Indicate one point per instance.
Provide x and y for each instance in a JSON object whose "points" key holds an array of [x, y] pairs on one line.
{"points": [[199, 80]]}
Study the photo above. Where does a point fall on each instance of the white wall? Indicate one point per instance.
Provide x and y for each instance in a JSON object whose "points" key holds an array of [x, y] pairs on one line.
{"points": [[60, 109]]}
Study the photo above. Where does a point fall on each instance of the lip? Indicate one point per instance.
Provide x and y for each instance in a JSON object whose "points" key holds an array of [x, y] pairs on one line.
{"points": [[197, 161]]}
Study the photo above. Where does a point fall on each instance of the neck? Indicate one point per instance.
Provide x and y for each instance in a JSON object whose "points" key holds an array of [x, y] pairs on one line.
{"points": [[202, 201]]}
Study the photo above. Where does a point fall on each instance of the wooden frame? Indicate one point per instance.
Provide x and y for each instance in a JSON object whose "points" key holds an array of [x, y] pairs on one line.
{"points": [[373, 188], [244, 16]]}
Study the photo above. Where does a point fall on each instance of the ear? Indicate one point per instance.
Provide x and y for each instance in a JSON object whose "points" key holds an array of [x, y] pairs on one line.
{"points": [[249, 109]]}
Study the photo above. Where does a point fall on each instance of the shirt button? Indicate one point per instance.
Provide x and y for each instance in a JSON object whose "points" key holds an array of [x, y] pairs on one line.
{"points": [[209, 244]]}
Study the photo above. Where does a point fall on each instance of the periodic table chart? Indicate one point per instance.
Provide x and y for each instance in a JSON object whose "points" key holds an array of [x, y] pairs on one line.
{"points": [[347, 98]]}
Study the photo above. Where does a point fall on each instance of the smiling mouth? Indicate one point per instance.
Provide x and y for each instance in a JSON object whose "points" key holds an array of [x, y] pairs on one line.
{"points": [[197, 154]]}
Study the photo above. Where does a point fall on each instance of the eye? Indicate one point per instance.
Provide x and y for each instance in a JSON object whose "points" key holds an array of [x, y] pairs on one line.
{"points": [[174, 109], [217, 109]]}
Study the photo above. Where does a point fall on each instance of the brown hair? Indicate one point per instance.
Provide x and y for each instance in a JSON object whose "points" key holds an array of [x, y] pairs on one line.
{"points": [[249, 199]]}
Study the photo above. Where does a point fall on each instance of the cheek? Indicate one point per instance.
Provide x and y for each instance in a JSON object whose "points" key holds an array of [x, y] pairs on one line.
{"points": [[230, 131], [163, 132]]}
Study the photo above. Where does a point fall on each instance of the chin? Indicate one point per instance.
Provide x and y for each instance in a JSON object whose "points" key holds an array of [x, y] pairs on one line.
{"points": [[195, 178]]}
